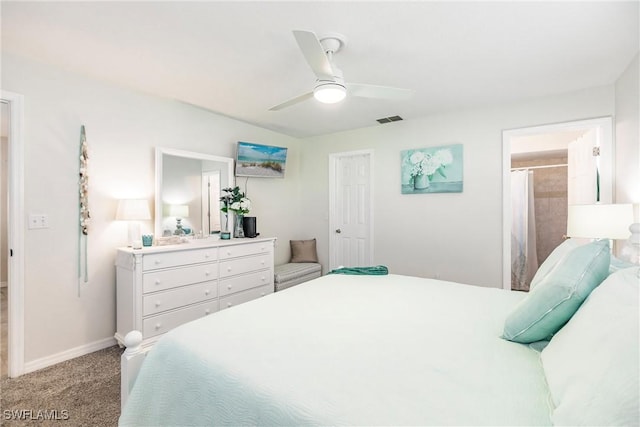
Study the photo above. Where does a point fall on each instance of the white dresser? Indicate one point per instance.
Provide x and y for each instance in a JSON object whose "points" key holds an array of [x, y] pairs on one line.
{"points": [[161, 287]]}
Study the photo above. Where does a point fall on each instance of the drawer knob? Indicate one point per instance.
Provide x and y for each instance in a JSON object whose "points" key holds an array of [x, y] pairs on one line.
{"points": [[262, 294], [228, 268], [229, 287], [207, 311], [263, 278], [207, 292], [158, 326], [229, 304], [157, 281], [206, 273], [158, 261], [158, 303], [206, 255], [228, 252], [262, 262]]}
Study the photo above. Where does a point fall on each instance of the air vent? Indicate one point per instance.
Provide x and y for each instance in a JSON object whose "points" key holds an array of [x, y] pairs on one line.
{"points": [[389, 119]]}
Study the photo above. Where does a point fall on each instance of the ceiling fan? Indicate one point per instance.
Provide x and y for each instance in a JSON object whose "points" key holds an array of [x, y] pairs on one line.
{"points": [[330, 86]]}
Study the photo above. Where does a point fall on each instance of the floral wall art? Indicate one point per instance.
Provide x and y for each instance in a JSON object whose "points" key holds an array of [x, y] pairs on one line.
{"points": [[432, 170]]}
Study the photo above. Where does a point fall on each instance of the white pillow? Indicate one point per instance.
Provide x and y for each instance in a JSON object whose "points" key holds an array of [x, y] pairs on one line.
{"points": [[592, 364]]}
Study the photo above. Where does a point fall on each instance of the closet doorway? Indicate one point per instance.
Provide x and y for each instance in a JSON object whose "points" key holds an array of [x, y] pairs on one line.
{"points": [[545, 169], [12, 236]]}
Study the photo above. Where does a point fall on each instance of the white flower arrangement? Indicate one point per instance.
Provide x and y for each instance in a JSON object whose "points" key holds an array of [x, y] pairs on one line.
{"points": [[235, 201], [429, 164]]}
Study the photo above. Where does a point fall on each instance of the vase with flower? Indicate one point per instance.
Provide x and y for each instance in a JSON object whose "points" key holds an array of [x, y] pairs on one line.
{"points": [[235, 201], [425, 165]]}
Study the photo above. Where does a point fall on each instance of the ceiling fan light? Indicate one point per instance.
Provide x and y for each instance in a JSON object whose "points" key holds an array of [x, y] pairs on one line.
{"points": [[330, 93]]}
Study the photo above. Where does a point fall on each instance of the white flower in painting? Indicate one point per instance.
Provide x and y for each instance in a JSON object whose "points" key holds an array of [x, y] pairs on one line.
{"points": [[430, 165], [443, 157], [416, 157]]}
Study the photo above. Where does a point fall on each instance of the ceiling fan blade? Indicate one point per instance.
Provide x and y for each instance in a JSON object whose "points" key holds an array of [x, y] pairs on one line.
{"points": [[292, 101], [314, 54], [381, 92]]}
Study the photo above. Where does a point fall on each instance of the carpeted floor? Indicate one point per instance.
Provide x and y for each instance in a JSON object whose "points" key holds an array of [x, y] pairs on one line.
{"points": [[80, 392]]}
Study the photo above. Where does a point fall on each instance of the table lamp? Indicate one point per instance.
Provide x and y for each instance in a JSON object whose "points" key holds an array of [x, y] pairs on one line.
{"points": [[179, 211], [600, 221], [133, 210]]}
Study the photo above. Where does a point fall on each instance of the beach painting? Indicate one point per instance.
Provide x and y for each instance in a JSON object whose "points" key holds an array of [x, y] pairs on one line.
{"points": [[257, 160]]}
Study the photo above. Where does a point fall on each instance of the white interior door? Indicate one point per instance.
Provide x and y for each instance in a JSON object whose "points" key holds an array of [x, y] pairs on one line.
{"points": [[351, 216], [583, 177], [211, 202]]}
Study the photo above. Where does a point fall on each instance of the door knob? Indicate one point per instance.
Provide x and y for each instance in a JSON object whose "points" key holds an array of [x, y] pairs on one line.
{"points": [[338, 231]]}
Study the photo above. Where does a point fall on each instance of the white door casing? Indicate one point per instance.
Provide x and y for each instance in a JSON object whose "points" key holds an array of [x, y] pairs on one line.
{"points": [[350, 209], [15, 225]]}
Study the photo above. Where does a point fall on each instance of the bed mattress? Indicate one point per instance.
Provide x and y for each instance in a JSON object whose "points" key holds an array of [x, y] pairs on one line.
{"points": [[346, 350]]}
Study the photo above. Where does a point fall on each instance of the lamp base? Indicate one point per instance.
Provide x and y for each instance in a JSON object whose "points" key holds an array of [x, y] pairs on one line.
{"points": [[134, 237]]}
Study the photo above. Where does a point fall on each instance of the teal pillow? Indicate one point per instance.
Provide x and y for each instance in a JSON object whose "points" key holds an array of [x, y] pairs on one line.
{"points": [[561, 251], [559, 294]]}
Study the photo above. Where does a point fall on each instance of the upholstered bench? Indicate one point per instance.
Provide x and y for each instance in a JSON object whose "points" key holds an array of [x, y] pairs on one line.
{"points": [[294, 273]]}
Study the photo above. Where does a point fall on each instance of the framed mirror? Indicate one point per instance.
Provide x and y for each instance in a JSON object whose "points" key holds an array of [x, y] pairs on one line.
{"points": [[188, 188]]}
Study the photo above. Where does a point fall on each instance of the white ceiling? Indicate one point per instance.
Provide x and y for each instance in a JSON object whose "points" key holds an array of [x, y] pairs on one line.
{"points": [[240, 58]]}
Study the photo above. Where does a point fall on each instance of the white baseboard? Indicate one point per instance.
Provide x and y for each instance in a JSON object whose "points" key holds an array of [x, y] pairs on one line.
{"points": [[72, 353]]}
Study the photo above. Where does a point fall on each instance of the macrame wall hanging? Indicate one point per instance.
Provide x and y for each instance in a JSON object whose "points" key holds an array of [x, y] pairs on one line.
{"points": [[85, 216]]}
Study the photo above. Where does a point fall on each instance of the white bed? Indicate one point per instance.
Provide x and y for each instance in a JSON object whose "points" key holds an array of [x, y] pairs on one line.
{"points": [[348, 350]]}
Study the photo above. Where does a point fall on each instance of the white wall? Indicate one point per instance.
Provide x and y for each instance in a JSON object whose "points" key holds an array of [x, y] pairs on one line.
{"points": [[123, 128], [454, 236], [628, 135]]}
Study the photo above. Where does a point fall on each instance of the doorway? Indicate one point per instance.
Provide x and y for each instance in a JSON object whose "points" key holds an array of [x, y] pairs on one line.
{"points": [[13, 112], [350, 209], [555, 156]]}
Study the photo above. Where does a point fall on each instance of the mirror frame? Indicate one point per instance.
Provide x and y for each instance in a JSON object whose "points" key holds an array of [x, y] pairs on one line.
{"points": [[160, 151]]}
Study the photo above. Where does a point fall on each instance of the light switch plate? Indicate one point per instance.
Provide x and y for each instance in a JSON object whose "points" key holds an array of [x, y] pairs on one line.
{"points": [[38, 221]]}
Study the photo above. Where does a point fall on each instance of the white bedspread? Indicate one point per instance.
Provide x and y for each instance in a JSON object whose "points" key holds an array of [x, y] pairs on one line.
{"points": [[346, 350]]}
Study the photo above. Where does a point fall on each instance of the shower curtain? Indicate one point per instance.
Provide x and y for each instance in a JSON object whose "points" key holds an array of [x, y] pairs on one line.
{"points": [[524, 261]]}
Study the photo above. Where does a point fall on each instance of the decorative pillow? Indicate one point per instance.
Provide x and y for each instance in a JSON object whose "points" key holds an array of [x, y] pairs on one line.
{"points": [[557, 297], [592, 364], [554, 257], [303, 251]]}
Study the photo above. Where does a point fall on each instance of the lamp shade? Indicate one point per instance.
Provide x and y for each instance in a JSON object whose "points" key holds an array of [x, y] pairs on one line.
{"points": [[133, 210], [179, 211], [600, 221]]}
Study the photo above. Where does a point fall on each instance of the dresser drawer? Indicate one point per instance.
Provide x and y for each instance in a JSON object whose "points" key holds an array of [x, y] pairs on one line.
{"points": [[186, 295], [240, 297], [245, 265], [173, 278], [233, 251], [245, 281], [178, 258], [162, 323]]}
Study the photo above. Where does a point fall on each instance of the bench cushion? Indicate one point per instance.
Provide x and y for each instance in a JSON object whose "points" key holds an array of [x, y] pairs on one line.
{"points": [[292, 271]]}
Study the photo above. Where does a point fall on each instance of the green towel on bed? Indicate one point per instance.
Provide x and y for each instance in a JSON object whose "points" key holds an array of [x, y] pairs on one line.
{"points": [[378, 270]]}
